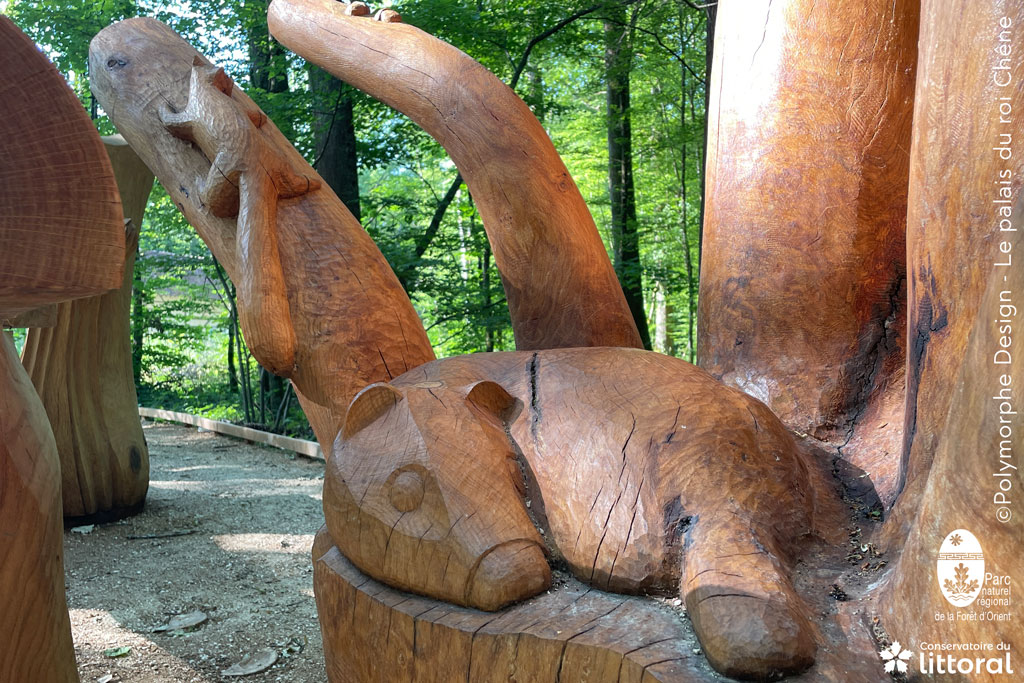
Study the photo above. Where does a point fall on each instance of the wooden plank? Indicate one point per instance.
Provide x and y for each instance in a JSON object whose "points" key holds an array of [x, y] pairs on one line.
{"points": [[310, 449]]}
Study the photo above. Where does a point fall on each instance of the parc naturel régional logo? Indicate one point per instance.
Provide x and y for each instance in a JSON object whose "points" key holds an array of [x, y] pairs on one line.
{"points": [[960, 568], [961, 578]]}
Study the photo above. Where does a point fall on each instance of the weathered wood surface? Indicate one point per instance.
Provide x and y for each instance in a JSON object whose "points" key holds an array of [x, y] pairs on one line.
{"points": [[35, 630], [964, 443], [642, 472], [572, 633], [352, 322], [61, 234], [82, 370], [803, 259], [560, 285]]}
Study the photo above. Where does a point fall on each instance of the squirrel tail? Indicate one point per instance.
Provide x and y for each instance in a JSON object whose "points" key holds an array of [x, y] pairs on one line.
{"points": [[263, 309]]}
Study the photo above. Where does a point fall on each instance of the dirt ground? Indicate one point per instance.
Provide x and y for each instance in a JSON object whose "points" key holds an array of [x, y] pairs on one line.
{"points": [[247, 515]]}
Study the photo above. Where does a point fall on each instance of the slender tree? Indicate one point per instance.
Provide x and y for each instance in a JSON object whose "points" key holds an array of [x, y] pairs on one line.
{"points": [[624, 226]]}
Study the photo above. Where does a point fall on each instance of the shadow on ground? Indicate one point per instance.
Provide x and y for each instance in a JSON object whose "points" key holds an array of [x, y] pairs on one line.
{"points": [[247, 515]]}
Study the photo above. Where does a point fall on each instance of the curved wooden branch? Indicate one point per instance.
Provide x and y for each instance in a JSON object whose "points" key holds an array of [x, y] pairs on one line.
{"points": [[319, 301], [559, 282]]}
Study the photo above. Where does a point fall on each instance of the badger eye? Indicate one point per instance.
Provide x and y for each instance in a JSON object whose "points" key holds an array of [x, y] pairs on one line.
{"points": [[407, 491]]}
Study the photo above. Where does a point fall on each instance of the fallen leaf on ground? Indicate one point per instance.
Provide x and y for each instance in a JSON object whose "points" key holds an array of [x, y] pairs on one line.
{"points": [[261, 660], [182, 622], [117, 651]]}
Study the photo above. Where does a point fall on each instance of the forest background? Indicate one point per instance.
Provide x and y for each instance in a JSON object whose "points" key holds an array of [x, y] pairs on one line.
{"points": [[620, 86]]}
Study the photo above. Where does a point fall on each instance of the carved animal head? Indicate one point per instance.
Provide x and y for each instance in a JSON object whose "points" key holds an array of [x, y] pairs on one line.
{"points": [[423, 492]]}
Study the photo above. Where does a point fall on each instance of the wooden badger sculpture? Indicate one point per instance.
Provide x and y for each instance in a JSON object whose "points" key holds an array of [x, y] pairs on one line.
{"points": [[640, 471]]}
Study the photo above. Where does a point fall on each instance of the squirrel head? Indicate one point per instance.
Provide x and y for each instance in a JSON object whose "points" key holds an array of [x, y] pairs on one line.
{"points": [[423, 492]]}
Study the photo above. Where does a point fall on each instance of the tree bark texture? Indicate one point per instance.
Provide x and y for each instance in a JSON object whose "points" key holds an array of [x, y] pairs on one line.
{"points": [[335, 137]]}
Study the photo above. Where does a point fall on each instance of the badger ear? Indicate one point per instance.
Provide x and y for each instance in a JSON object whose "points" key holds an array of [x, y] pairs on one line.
{"points": [[492, 398], [368, 405]]}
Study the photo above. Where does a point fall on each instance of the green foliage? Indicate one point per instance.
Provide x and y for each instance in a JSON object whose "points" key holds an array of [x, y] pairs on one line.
{"points": [[183, 309]]}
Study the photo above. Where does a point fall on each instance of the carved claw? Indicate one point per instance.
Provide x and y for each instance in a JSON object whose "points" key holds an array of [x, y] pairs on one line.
{"points": [[357, 9], [750, 621], [389, 16]]}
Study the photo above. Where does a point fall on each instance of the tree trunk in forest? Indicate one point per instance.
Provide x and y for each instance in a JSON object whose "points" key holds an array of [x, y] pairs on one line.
{"points": [[268, 63], [334, 137], [232, 370], [82, 370], [709, 55], [625, 236]]}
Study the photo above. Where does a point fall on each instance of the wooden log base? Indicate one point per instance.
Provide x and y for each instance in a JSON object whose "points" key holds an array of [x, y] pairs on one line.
{"points": [[572, 632]]}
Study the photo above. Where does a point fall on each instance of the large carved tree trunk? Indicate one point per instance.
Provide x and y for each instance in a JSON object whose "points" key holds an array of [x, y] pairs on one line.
{"points": [[802, 274], [82, 369], [61, 237], [34, 622], [965, 373]]}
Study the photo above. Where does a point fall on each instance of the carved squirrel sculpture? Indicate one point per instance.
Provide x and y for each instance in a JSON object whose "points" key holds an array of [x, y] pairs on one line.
{"points": [[246, 180], [642, 473]]}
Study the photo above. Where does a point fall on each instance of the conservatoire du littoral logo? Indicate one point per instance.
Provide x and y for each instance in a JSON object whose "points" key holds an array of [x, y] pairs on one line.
{"points": [[895, 658], [960, 568]]}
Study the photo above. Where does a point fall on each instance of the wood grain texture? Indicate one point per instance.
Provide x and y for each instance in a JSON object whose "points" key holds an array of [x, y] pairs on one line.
{"points": [[957, 198], [643, 474], [803, 261], [353, 323], [560, 285], [559, 636], [962, 441], [82, 370], [61, 234], [34, 626], [572, 633]]}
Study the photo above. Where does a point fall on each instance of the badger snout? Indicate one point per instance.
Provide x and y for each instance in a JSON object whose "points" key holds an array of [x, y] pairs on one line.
{"points": [[506, 573]]}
